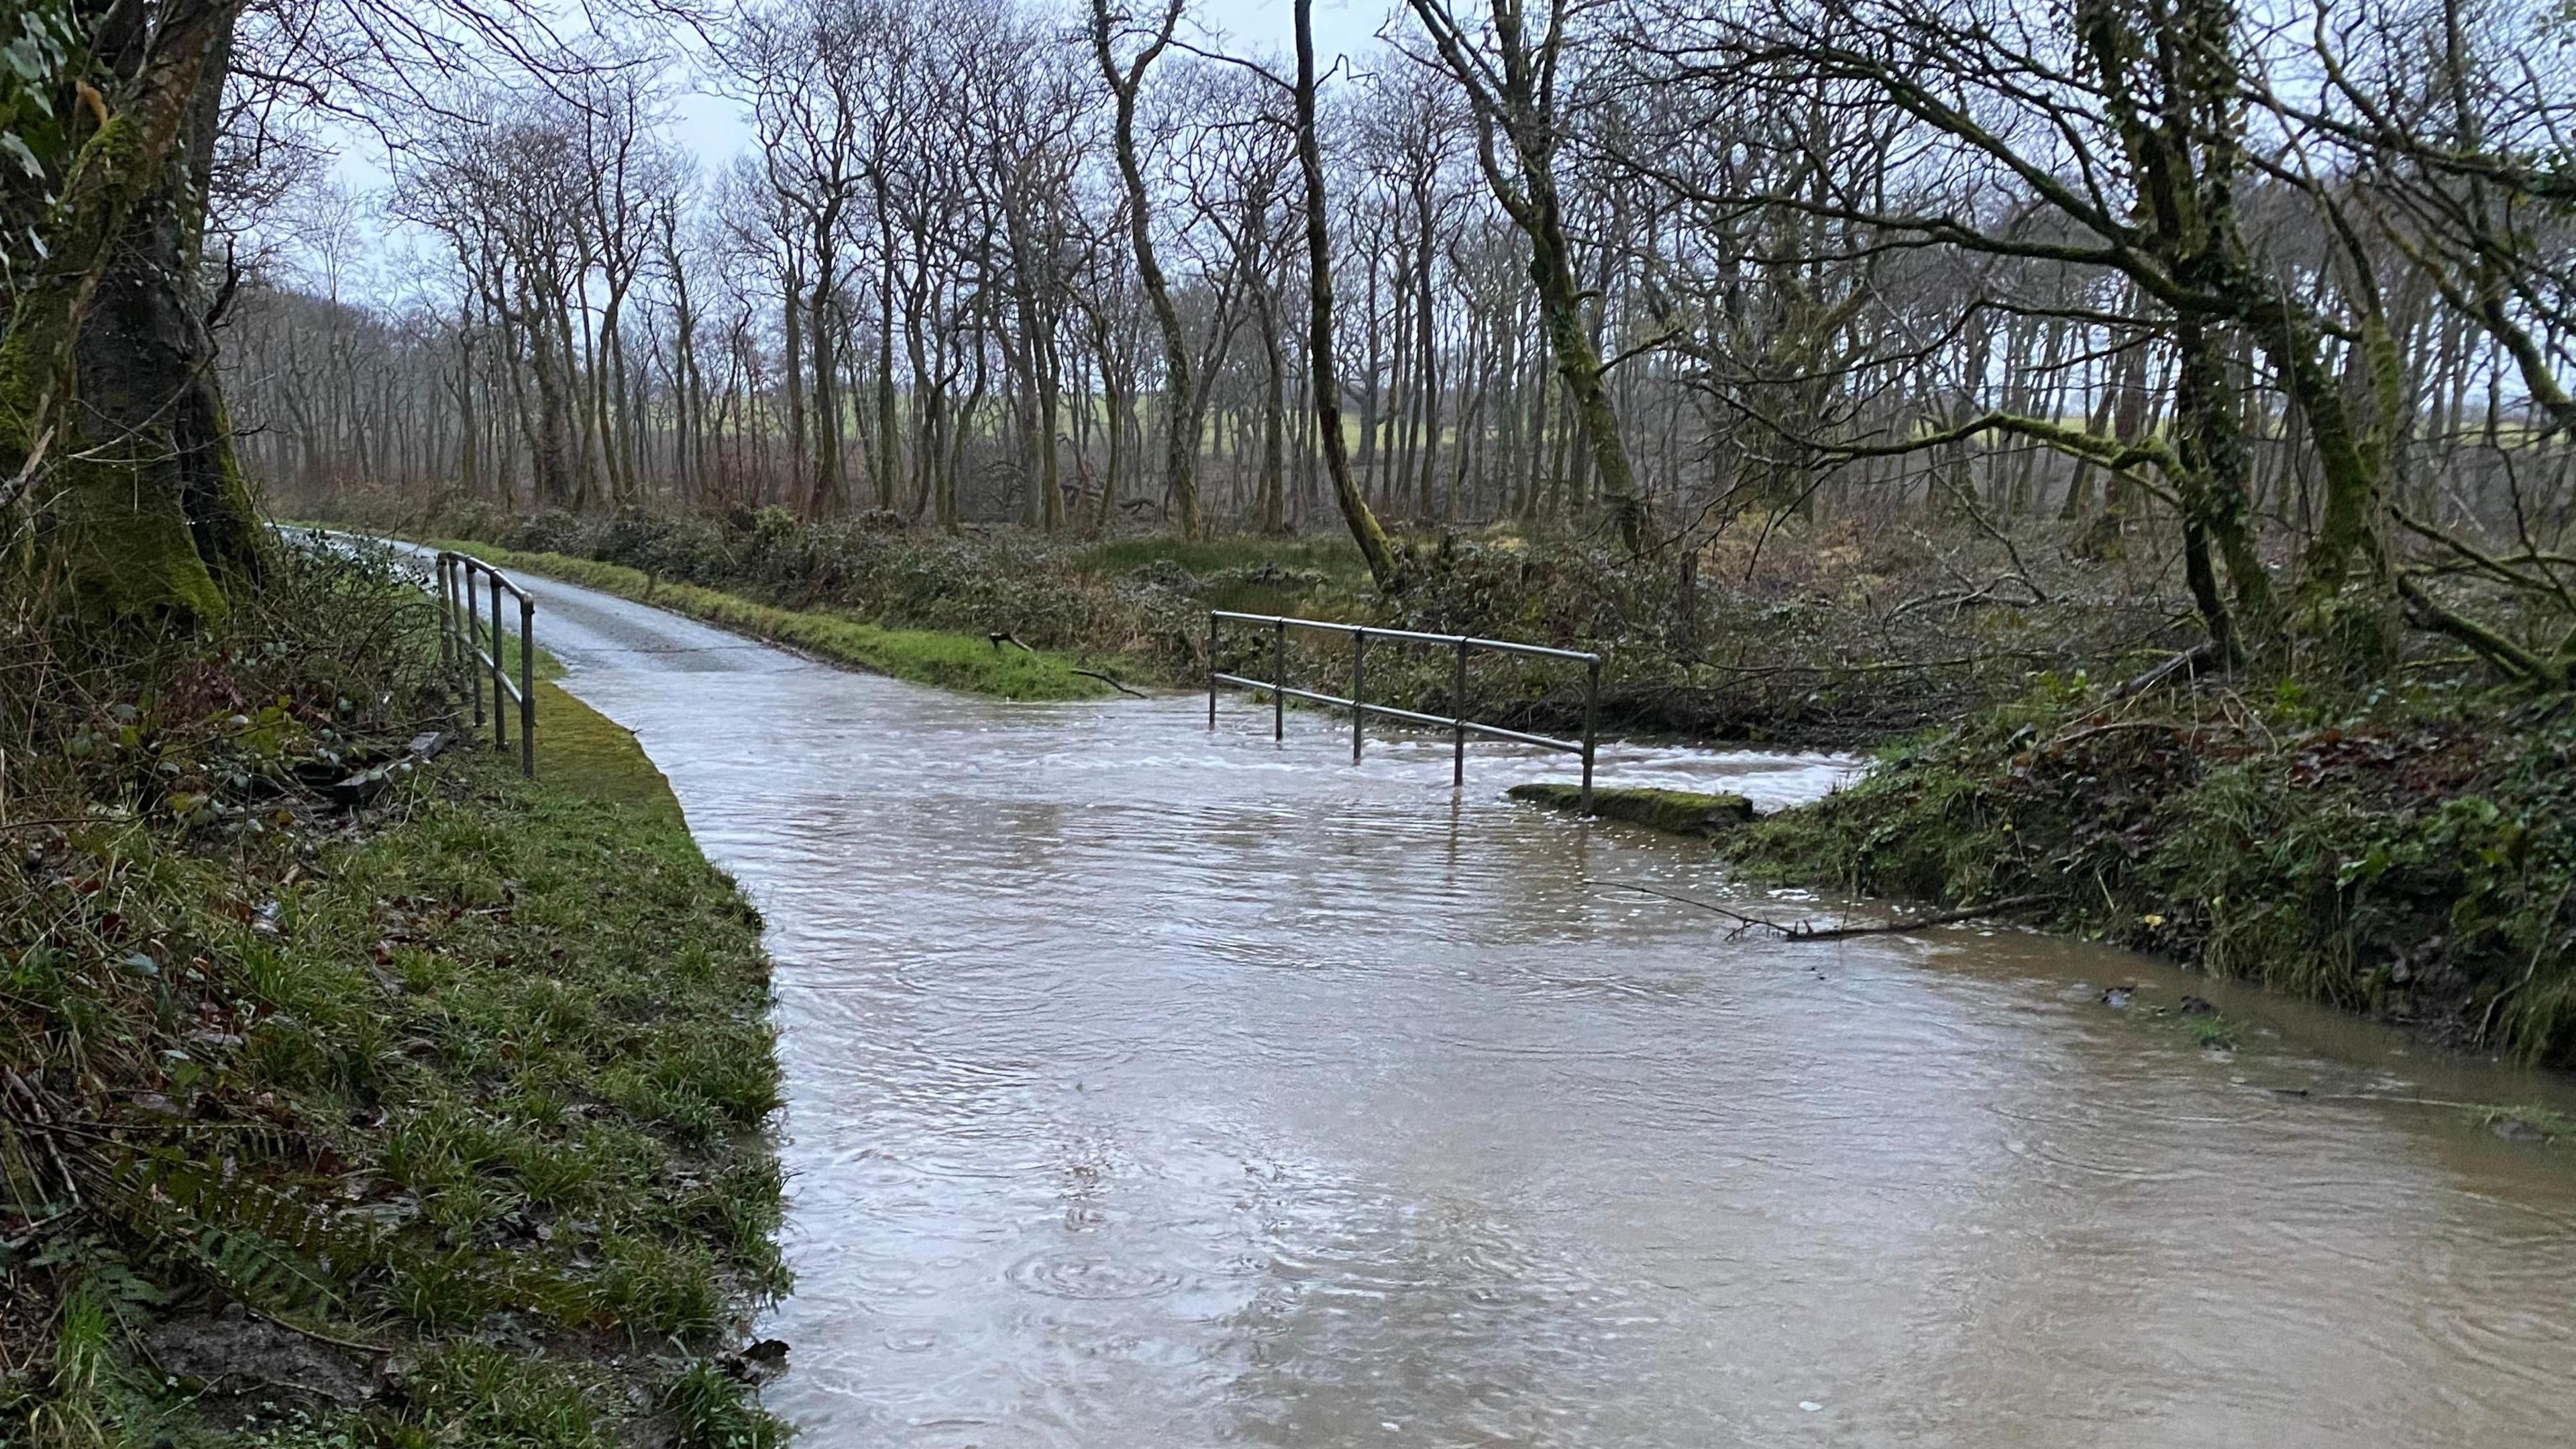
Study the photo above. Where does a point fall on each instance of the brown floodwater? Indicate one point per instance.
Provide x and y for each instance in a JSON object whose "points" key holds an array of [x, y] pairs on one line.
{"points": [[1148, 1086]]}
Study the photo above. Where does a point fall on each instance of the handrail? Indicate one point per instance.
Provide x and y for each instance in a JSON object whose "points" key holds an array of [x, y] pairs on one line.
{"points": [[1456, 721], [461, 648]]}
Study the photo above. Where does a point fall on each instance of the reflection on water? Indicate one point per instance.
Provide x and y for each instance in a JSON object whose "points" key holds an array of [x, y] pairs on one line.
{"points": [[1150, 1087]]}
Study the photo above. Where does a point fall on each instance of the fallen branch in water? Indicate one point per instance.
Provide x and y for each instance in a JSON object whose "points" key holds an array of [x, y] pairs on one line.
{"points": [[1112, 682], [1809, 931], [1001, 638], [1804, 932]]}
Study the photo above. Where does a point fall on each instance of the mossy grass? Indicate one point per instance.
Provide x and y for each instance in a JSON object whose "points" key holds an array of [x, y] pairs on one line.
{"points": [[464, 1089], [1676, 812], [2212, 1032], [943, 658], [585, 753]]}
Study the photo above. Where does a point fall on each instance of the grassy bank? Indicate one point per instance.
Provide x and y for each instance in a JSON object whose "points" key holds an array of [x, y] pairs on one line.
{"points": [[945, 658], [436, 1119], [2411, 857]]}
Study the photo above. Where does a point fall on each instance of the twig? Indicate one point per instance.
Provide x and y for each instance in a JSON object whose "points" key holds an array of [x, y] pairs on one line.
{"points": [[36, 1229], [1001, 637], [1809, 931], [1803, 932], [35, 460], [1977, 516], [2078, 737], [62, 820], [2188, 662], [317, 1335], [1743, 921], [39, 1123]]}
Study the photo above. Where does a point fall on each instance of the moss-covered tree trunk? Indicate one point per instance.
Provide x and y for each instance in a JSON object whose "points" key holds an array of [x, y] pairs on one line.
{"points": [[109, 411], [1578, 361]]}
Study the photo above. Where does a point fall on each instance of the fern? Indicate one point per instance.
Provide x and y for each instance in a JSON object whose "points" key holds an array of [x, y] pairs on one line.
{"points": [[285, 1257]]}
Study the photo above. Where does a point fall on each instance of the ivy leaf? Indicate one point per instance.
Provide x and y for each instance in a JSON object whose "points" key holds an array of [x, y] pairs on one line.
{"points": [[16, 148], [26, 55]]}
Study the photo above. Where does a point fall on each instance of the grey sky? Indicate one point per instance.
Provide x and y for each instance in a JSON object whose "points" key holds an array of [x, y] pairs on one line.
{"points": [[715, 128]]}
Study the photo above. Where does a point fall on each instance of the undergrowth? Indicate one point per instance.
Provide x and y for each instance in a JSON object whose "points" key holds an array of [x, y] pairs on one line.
{"points": [[433, 1119], [1850, 633]]}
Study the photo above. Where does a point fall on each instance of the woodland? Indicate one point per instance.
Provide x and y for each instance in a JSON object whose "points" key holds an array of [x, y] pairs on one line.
{"points": [[2142, 423], [2270, 300]]}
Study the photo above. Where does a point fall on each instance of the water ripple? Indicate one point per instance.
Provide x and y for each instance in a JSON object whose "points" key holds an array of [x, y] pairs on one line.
{"points": [[1154, 1087]]}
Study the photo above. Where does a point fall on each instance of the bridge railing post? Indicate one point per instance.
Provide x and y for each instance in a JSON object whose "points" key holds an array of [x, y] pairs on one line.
{"points": [[446, 622], [500, 675], [1591, 727], [1279, 681], [1359, 680], [527, 686], [471, 609], [1458, 722]]}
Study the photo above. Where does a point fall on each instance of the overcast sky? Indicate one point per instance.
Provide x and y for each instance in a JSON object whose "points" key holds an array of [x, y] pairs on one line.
{"points": [[716, 128]]}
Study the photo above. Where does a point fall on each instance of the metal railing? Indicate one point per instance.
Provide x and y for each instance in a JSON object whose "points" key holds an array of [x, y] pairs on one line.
{"points": [[1456, 721], [462, 646]]}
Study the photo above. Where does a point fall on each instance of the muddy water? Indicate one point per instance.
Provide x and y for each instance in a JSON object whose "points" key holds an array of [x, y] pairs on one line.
{"points": [[1153, 1087]]}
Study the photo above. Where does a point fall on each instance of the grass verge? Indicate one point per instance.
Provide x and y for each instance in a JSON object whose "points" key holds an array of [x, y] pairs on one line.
{"points": [[432, 1121], [585, 753], [925, 656]]}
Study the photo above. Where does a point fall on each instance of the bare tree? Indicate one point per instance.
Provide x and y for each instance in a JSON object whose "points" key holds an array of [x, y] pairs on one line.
{"points": [[1126, 84], [1510, 77]]}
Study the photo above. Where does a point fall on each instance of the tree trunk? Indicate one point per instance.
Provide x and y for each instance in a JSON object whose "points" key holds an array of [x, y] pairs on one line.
{"points": [[110, 423], [1319, 317], [1181, 422]]}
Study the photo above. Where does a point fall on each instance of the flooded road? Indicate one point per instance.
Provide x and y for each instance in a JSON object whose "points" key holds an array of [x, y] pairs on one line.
{"points": [[1155, 1088]]}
